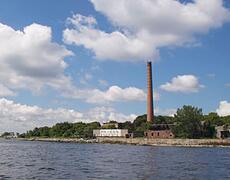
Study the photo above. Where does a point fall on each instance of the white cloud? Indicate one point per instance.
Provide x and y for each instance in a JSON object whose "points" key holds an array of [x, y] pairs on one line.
{"points": [[14, 116], [30, 60], [165, 112], [105, 114], [227, 85], [115, 45], [18, 117], [143, 26], [224, 108], [4, 91], [183, 83], [112, 94]]}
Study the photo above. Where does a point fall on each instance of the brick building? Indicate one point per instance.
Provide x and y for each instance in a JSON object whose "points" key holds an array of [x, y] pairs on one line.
{"points": [[159, 131]]}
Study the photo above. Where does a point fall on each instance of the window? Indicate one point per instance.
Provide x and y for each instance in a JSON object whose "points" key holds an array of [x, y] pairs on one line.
{"points": [[158, 134], [152, 134]]}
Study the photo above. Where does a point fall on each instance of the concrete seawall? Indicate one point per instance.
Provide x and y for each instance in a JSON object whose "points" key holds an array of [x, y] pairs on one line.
{"points": [[167, 142], [142, 141], [64, 140]]}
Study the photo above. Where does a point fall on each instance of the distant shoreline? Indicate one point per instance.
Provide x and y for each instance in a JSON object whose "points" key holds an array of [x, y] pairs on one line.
{"points": [[140, 141]]}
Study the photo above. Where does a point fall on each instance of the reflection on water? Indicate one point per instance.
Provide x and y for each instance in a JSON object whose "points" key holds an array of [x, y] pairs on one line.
{"points": [[45, 160]]}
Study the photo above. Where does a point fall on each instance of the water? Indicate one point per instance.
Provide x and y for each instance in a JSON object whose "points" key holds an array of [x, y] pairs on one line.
{"points": [[45, 160]]}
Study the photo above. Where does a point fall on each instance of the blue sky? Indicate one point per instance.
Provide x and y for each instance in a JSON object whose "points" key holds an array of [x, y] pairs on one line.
{"points": [[195, 52]]}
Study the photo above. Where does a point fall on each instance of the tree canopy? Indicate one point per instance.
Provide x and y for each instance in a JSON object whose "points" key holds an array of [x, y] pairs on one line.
{"points": [[188, 122]]}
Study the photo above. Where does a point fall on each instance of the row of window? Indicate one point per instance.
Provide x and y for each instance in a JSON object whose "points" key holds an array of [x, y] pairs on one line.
{"points": [[158, 134]]}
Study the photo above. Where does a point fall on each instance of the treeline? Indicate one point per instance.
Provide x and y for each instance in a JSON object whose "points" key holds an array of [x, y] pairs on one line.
{"points": [[66, 129], [188, 122]]}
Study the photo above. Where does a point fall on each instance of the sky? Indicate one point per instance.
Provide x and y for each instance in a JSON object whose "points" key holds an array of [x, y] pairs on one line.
{"points": [[85, 60]]}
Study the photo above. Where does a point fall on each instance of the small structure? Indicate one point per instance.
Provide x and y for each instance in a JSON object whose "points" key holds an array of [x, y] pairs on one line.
{"points": [[111, 133], [159, 131], [223, 132]]}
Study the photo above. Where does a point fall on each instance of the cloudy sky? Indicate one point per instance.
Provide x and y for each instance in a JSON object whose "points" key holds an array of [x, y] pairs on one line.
{"points": [[85, 60]]}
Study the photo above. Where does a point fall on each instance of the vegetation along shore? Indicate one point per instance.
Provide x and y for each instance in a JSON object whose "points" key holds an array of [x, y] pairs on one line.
{"points": [[189, 125]]}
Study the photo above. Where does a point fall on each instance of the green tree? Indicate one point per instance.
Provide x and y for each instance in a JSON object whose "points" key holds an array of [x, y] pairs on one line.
{"points": [[163, 120], [59, 129], [88, 130], [140, 125], [225, 120], [36, 132], [208, 130], [78, 129], [109, 126], [139, 121], [214, 119], [68, 133], [127, 125], [44, 131], [5, 134], [188, 122]]}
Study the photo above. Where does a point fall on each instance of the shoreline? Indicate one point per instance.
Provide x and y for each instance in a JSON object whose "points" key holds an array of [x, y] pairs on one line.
{"points": [[140, 141]]}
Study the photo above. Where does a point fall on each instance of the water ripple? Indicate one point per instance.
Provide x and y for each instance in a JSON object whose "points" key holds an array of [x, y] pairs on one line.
{"points": [[45, 160]]}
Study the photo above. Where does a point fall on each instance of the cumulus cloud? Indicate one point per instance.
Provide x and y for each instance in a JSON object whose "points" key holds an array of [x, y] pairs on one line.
{"points": [[183, 83], [115, 45], [144, 26], [105, 114], [30, 60], [115, 93], [19, 117], [112, 94], [224, 108], [165, 112]]}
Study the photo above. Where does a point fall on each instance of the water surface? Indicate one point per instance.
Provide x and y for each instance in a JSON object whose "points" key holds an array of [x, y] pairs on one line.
{"points": [[49, 160]]}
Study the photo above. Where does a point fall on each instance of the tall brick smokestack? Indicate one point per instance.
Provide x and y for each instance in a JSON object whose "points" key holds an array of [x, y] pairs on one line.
{"points": [[150, 114]]}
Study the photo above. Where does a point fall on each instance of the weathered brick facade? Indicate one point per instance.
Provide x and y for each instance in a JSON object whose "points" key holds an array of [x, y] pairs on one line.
{"points": [[159, 134]]}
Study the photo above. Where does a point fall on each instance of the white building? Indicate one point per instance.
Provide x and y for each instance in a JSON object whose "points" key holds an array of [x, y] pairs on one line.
{"points": [[110, 132]]}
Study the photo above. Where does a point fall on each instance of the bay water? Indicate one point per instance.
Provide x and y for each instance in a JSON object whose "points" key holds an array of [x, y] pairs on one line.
{"points": [[51, 160]]}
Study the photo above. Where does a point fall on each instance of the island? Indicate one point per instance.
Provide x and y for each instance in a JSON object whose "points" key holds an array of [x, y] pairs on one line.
{"points": [[190, 127]]}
